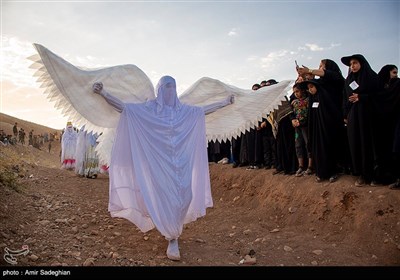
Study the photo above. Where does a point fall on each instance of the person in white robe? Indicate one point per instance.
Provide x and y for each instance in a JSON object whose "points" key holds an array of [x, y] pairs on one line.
{"points": [[159, 174], [80, 151], [91, 162], [87, 160], [68, 147]]}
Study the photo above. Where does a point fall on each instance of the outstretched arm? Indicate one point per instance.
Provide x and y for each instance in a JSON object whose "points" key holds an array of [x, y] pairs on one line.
{"points": [[217, 105], [112, 100]]}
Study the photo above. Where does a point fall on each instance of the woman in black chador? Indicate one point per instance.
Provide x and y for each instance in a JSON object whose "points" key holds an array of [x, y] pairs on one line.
{"points": [[286, 160], [324, 126], [386, 127], [331, 80], [361, 83]]}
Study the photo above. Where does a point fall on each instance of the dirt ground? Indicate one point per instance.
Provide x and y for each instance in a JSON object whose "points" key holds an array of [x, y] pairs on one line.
{"points": [[258, 219]]}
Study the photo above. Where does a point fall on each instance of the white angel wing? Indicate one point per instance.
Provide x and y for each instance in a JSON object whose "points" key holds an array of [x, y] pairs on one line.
{"points": [[106, 141], [70, 88], [248, 108]]}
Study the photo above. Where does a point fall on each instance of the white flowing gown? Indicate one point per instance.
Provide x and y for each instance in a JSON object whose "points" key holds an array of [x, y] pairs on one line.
{"points": [[159, 173], [68, 147]]}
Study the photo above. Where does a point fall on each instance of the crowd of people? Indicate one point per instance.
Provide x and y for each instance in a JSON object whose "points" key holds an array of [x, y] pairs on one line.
{"points": [[35, 140], [330, 125]]}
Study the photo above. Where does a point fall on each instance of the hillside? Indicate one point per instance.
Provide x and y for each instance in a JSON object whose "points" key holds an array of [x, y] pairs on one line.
{"points": [[7, 123], [276, 220]]}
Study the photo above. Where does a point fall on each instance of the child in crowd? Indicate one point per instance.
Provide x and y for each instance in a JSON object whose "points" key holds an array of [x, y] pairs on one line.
{"points": [[300, 123]]}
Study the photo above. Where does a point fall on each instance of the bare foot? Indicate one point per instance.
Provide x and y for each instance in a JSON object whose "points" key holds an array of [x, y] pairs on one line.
{"points": [[173, 250]]}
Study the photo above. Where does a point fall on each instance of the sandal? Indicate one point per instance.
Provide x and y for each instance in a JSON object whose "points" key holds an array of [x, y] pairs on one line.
{"points": [[309, 171], [318, 179], [395, 186], [333, 178]]}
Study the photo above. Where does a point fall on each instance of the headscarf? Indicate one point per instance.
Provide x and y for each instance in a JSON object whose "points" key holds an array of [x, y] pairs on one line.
{"points": [[333, 81], [366, 78], [69, 133], [384, 75], [166, 94], [387, 101], [331, 65]]}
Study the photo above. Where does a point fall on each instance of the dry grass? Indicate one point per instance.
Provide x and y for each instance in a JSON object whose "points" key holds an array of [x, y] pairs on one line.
{"points": [[10, 169]]}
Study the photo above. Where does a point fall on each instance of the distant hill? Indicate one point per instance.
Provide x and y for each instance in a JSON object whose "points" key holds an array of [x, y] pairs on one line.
{"points": [[7, 122]]}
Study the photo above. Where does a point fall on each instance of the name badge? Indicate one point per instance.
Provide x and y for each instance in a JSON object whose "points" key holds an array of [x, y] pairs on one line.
{"points": [[353, 85], [315, 104]]}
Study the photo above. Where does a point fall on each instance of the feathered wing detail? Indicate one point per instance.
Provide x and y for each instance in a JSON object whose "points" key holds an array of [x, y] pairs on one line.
{"points": [[106, 141], [70, 88], [248, 108]]}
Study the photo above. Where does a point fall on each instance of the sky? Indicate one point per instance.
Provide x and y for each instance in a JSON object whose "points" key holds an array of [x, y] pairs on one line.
{"points": [[237, 42]]}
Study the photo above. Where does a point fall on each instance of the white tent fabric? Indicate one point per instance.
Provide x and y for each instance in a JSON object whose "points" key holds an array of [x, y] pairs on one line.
{"points": [[70, 88]]}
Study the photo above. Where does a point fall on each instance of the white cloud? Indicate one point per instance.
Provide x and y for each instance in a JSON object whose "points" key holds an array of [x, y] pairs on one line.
{"points": [[252, 58], [272, 57], [314, 47], [333, 45], [15, 65], [233, 32]]}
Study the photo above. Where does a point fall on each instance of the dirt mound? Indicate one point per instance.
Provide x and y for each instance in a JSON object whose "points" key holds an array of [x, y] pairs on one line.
{"points": [[258, 219]]}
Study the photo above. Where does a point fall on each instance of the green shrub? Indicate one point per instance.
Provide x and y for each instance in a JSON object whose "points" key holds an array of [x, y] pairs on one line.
{"points": [[9, 180]]}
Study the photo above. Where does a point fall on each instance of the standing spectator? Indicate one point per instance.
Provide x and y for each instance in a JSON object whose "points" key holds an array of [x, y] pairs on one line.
{"points": [[236, 143], [386, 127], [268, 142], [331, 81], [300, 123], [361, 83], [324, 124], [283, 130], [247, 145], [15, 130], [20, 135], [30, 140]]}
